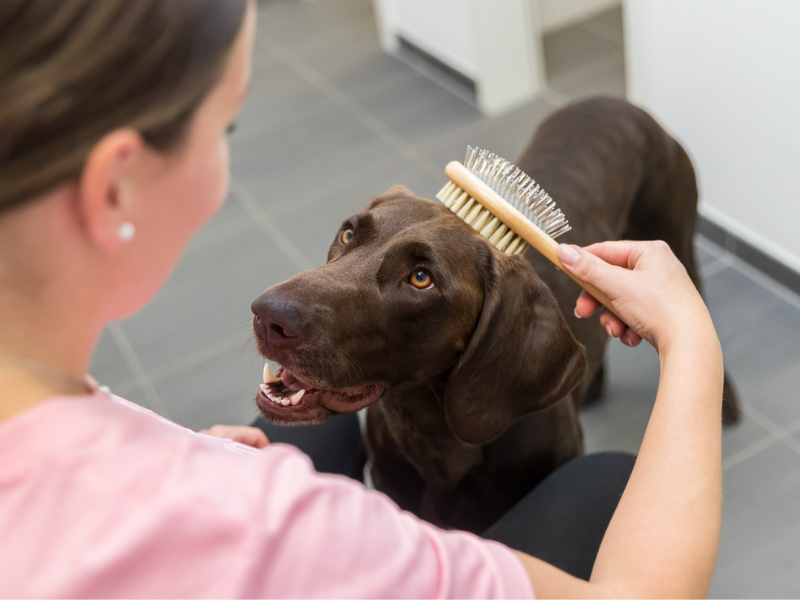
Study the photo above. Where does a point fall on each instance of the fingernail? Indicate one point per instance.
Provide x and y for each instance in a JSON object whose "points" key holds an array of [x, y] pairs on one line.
{"points": [[608, 329], [576, 313], [567, 254]]}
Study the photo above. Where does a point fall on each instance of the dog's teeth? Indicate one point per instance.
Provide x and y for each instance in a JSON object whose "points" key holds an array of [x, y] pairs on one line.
{"points": [[265, 389], [268, 376], [296, 398], [285, 402]]}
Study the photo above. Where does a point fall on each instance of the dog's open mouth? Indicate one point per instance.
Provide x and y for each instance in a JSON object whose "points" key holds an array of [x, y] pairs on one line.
{"points": [[287, 398]]}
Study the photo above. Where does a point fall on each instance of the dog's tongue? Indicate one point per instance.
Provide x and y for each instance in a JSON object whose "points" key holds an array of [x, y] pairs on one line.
{"points": [[291, 382]]}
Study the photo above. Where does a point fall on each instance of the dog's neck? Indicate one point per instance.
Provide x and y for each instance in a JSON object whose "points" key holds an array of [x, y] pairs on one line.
{"points": [[414, 413], [420, 404]]}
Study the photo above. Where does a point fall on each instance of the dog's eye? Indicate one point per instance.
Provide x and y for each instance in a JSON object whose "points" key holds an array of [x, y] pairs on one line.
{"points": [[421, 279], [347, 235]]}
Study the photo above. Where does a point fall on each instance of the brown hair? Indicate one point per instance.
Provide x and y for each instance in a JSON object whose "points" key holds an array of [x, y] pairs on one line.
{"points": [[72, 71]]}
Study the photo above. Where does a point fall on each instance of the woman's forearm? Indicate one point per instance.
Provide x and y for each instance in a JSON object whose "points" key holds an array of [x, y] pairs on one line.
{"points": [[664, 535]]}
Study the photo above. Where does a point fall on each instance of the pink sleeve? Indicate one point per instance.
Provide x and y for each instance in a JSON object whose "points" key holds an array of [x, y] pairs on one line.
{"points": [[339, 539], [100, 500]]}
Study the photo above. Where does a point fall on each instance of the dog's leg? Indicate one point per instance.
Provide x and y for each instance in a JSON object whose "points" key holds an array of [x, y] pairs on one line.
{"points": [[666, 208]]}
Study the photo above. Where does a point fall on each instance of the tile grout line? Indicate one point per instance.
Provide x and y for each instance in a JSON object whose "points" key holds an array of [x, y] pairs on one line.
{"points": [[263, 220], [370, 89], [423, 68], [135, 365], [339, 184], [356, 26], [200, 356], [603, 31], [762, 280], [367, 119], [256, 135], [716, 266], [193, 359], [554, 97], [775, 430], [715, 250], [549, 96], [749, 452], [583, 73]]}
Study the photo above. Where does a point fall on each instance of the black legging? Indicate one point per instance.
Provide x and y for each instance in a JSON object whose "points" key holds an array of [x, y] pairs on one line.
{"points": [[562, 520]]}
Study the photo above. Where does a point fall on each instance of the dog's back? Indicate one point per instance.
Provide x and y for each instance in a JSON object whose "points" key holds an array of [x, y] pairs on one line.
{"points": [[616, 174]]}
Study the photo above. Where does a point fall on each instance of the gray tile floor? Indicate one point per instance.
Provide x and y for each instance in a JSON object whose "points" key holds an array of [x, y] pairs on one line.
{"points": [[332, 121]]}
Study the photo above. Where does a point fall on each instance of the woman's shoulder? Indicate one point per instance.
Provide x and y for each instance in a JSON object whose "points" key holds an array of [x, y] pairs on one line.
{"points": [[115, 439]]}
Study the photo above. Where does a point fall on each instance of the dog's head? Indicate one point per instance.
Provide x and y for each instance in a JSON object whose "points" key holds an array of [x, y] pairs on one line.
{"points": [[410, 292]]}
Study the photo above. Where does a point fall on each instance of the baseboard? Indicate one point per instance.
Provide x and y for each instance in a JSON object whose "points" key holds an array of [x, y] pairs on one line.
{"points": [[758, 259], [432, 67]]}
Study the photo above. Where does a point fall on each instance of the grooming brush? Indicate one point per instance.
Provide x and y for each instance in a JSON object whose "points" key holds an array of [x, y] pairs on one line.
{"points": [[508, 208]]}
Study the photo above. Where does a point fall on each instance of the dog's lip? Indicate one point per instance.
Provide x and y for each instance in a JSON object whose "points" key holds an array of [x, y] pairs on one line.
{"points": [[344, 400]]}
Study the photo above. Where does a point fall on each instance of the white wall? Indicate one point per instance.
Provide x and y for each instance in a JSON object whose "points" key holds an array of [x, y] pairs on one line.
{"points": [[440, 27], [494, 43], [724, 77]]}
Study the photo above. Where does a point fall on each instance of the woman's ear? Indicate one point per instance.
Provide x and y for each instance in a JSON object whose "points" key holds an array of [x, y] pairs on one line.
{"points": [[107, 190]]}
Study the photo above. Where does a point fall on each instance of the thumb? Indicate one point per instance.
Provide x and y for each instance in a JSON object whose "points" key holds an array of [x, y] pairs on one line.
{"points": [[586, 266]]}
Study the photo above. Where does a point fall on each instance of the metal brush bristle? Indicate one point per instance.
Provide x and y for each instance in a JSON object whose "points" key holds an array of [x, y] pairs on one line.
{"points": [[517, 188]]}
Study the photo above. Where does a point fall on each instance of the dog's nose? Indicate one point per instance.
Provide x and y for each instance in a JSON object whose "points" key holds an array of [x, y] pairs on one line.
{"points": [[279, 319]]}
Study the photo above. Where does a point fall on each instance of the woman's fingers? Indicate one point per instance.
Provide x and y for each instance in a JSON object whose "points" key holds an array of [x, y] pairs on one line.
{"points": [[586, 306], [621, 253], [631, 338], [250, 436]]}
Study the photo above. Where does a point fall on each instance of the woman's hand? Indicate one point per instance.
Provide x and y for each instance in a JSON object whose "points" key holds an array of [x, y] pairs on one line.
{"points": [[249, 436], [647, 285]]}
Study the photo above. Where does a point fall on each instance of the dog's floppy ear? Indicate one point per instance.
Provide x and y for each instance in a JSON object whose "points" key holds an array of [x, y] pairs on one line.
{"points": [[522, 356], [396, 191]]}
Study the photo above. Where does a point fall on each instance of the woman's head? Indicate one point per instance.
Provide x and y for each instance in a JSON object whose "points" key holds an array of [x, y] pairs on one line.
{"points": [[72, 71], [98, 133]]}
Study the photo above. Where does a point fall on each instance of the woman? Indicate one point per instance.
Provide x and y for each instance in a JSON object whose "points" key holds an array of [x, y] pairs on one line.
{"points": [[112, 154]]}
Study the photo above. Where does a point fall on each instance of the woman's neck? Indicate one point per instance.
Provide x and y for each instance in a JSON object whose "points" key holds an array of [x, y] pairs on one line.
{"points": [[49, 314]]}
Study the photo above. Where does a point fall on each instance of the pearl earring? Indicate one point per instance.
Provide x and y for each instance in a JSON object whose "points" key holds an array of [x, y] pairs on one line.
{"points": [[126, 232]]}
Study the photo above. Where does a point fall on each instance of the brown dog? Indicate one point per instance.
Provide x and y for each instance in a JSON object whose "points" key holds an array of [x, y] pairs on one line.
{"points": [[464, 353]]}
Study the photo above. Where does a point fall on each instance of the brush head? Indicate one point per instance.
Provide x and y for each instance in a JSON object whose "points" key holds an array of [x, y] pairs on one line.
{"points": [[516, 188]]}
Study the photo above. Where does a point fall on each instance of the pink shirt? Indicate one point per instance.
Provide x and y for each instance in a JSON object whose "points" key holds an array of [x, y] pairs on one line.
{"points": [[102, 498]]}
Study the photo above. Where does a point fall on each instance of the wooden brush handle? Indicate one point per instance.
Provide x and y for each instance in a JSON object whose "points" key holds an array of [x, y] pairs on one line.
{"points": [[517, 222]]}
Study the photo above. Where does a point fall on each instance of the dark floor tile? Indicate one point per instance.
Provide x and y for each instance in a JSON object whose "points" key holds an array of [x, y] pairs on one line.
{"points": [[608, 25], [313, 226], [299, 24], [207, 298], [759, 553], [611, 18], [356, 63], [706, 253], [221, 391], [617, 421], [108, 365], [307, 158], [506, 136], [607, 81], [742, 440], [229, 221], [278, 98], [420, 111], [759, 332], [574, 48]]}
